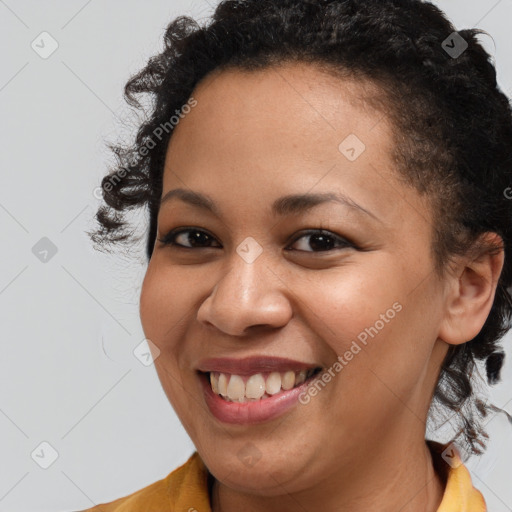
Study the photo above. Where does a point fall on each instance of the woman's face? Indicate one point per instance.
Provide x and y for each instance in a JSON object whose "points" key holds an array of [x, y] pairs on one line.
{"points": [[252, 282]]}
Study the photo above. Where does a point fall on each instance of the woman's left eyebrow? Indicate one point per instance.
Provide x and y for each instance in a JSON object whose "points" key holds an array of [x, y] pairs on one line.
{"points": [[299, 203], [292, 204]]}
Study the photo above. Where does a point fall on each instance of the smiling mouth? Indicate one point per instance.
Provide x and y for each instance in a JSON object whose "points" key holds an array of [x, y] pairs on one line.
{"points": [[259, 386]]}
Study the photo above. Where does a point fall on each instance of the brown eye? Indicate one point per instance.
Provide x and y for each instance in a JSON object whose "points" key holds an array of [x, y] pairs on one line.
{"points": [[320, 240], [195, 238]]}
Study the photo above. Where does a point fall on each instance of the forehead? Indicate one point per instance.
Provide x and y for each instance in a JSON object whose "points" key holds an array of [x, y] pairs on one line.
{"points": [[282, 94], [287, 129]]}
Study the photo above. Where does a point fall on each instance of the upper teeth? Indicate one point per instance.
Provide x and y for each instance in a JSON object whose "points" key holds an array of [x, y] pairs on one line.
{"points": [[254, 387]]}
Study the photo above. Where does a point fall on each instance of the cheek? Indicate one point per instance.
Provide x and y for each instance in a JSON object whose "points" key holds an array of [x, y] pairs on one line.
{"points": [[163, 313], [163, 303], [346, 305], [383, 333]]}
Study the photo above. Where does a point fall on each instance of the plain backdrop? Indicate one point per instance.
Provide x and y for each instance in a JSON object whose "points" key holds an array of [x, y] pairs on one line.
{"points": [[82, 419]]}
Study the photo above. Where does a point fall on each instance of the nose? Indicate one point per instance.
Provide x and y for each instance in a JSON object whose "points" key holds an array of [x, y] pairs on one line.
{"points": [[248, 296]]}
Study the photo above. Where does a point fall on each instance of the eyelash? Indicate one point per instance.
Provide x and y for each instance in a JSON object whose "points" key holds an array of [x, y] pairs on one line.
{"points": [[169, 239]]}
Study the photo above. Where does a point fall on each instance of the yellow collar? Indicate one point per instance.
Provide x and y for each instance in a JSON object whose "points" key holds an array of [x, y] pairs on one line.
{"points": [[459, 494]]}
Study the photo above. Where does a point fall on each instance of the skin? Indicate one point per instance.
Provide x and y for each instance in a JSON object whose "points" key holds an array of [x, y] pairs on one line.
{"points": [[252, 138]]}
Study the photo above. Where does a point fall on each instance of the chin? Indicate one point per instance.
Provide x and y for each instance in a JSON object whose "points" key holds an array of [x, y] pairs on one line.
{"points": [[263, 473]]}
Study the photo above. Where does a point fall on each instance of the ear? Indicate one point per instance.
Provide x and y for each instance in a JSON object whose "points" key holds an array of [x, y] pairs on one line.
{"points": [[470, 291]]}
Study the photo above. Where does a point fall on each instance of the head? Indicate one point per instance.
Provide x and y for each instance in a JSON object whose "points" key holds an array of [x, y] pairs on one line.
{"points": [[406, 283]]}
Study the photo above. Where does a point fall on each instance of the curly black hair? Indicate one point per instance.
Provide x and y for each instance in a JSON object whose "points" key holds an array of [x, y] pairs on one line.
{"points": [[452, 129]]}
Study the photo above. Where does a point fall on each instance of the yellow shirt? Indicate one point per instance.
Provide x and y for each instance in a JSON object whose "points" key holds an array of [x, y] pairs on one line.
{"points": [[186, 489]]}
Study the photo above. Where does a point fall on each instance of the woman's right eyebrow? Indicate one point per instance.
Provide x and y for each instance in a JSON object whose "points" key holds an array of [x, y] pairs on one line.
{"points": [[291, 204], [191, 197]]}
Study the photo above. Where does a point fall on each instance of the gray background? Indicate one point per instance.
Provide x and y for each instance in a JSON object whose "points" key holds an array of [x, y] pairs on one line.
{"points": [[70, 324]]}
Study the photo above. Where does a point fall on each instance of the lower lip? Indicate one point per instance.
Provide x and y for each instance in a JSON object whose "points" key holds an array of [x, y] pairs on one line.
{"points": [[245, 413]]}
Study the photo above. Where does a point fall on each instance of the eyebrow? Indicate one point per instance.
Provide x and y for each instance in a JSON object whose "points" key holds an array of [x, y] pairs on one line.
{"points": [[285, 205]]}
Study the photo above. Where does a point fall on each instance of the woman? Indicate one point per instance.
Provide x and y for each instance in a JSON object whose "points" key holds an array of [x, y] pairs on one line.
{"points": [[328, 245]]}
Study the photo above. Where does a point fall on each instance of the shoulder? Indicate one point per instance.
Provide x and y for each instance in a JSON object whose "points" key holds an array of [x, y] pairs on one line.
{"points": [[186, 485]]}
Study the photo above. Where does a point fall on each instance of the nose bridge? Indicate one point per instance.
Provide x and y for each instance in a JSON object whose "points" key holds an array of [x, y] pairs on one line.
{"points": [[247, 294]]}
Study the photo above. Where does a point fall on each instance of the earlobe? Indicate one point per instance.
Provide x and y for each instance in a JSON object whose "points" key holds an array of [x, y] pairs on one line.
{"points": [[471, 291]]}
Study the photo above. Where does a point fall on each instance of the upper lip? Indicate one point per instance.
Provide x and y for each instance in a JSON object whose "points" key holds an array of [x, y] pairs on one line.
{"points": [[251, 365]]}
